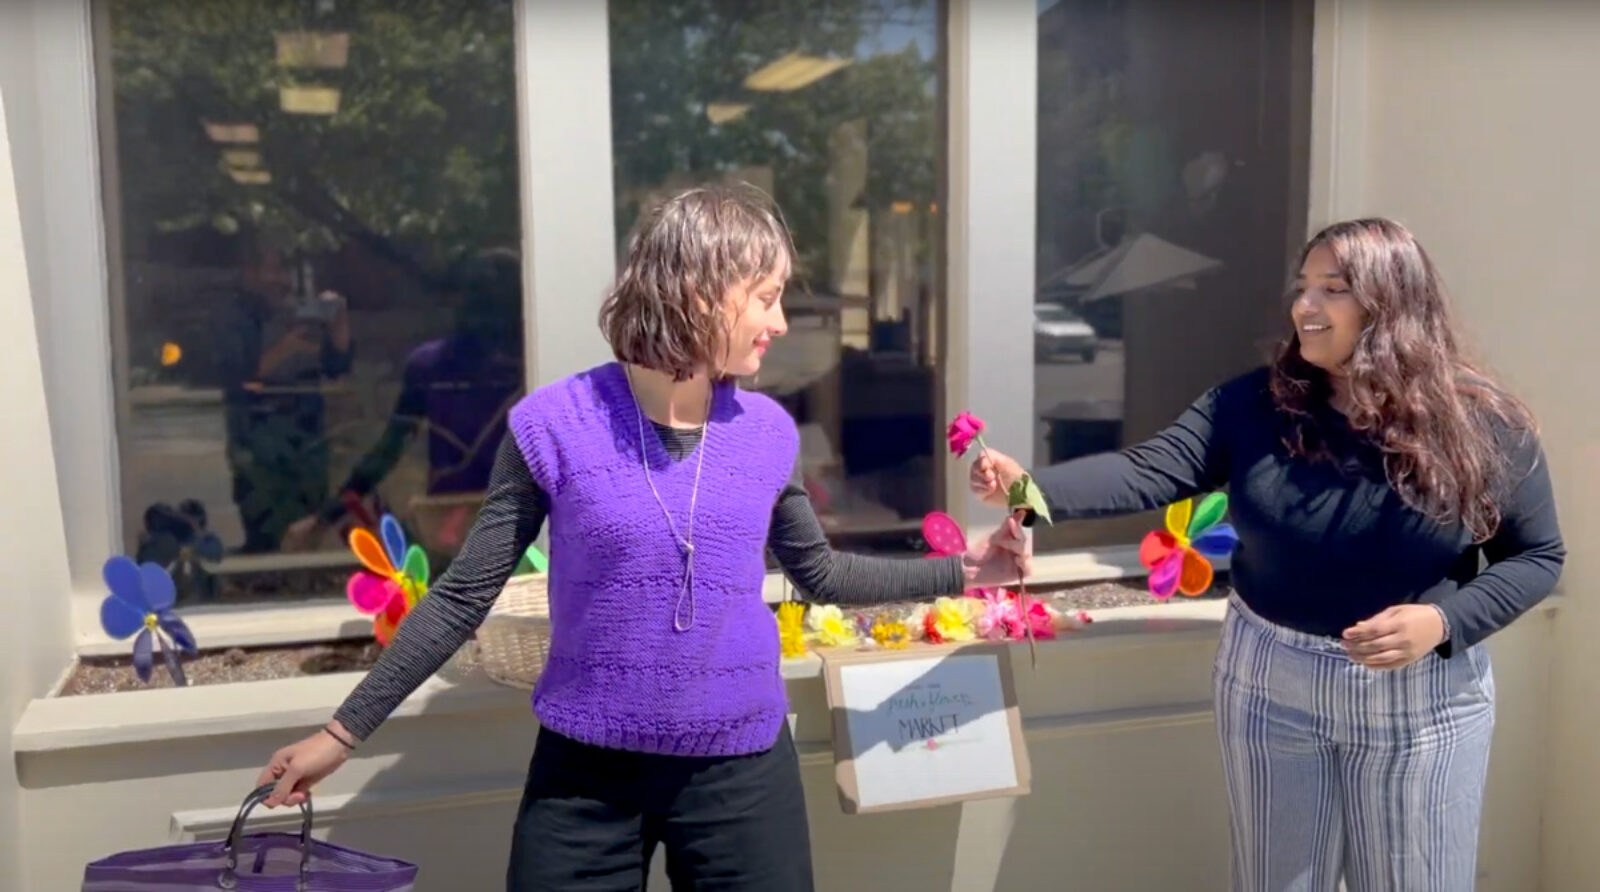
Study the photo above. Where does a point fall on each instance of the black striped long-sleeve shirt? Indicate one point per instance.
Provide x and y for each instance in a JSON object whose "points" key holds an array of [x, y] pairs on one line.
{"points": [[513, 512]]}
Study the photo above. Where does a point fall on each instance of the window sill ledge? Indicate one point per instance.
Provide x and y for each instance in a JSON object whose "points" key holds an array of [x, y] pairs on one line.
{"points": [[335, 619], [132, 717], [129, 717], [103, 720]]}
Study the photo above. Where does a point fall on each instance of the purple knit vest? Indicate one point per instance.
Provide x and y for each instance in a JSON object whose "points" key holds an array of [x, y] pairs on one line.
{"points": [[619, 674]]}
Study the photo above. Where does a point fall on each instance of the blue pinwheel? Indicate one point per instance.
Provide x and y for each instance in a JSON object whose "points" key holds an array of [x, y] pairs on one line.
{"points": [[141, 600]]}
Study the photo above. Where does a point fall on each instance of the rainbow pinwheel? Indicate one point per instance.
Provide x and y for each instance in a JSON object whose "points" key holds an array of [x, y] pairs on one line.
{"points": [[1179, 557], [141, 600], [382, 591]]}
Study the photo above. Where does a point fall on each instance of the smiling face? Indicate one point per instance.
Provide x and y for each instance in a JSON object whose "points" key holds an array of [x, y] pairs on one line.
{"points": [[700, 289], [754, 313], [1328, 320]]}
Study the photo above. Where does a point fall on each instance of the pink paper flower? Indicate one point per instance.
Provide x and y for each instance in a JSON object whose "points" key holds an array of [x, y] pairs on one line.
{"points": [[1044, 625], [1000, 619], [963, 431], [1004, 619], [996, 614]]}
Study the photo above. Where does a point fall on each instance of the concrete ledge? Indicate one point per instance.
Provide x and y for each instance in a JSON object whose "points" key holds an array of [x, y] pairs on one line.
{"points": [[100, 720]]}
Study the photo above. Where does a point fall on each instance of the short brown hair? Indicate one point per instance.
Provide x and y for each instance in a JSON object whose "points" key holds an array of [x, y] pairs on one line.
{"points": [[664, 311]]}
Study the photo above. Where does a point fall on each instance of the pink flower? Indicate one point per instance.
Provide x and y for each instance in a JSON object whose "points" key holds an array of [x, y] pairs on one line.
{"points": [[999, 617], [966, 428], [1039, 618], [1003, 617]]}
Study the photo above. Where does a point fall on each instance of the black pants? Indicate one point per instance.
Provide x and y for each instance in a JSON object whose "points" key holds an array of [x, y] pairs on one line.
{"points": [[591, 819]]}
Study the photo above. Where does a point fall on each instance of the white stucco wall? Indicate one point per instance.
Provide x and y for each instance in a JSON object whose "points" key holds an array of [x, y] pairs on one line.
{"points": [[1472, 123], [1127, 783], [35, 643]]}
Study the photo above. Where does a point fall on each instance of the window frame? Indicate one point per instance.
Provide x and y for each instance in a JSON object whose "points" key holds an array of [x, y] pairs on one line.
{"points": [[563, 75]]}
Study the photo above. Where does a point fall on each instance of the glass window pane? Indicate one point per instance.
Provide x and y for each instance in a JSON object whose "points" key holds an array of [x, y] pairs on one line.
{"points": [[313, 218], [833, 108], [1172, 170]]}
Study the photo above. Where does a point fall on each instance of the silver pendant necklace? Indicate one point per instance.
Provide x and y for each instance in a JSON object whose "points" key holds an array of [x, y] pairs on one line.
{"points": [[685, 540]]}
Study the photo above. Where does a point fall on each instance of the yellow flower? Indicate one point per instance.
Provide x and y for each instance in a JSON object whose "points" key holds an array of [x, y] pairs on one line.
{"points": [[791, 632], [954, 618], [831, 627], [889, 632]]}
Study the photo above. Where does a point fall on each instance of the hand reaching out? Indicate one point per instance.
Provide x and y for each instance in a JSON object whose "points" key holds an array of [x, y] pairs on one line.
{"points": [[1003, 558], [992, 475]]}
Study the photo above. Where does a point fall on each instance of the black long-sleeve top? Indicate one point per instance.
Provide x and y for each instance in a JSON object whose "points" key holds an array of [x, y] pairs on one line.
{"points": [[1324, 544]]}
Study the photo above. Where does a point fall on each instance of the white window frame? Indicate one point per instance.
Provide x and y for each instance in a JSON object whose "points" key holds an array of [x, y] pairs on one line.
{"points": [[563, 66]]}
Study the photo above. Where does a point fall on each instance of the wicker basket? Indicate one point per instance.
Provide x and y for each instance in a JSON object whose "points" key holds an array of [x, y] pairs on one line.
{"points": [[514, 641]]}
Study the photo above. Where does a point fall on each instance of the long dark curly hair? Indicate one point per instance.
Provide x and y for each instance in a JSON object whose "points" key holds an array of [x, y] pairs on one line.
{"points": [[1436, 417]]}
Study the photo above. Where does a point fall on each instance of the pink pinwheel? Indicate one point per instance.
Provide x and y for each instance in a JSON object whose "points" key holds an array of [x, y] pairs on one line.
{"points": [[382, 590]]}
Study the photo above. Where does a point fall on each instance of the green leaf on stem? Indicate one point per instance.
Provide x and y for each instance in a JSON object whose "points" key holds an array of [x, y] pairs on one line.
{"points": [[1024, 493]]}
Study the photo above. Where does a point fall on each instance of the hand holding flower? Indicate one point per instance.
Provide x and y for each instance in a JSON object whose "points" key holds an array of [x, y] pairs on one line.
{"points": [[991, 477], [1003, 558], [996, 478]]}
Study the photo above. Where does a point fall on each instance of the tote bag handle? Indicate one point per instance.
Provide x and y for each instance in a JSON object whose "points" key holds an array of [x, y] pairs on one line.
{"points": [[230, 876]]}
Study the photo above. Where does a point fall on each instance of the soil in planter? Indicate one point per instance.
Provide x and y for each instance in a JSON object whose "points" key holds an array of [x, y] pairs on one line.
{"points": [[104, 675], [1117, 593]]}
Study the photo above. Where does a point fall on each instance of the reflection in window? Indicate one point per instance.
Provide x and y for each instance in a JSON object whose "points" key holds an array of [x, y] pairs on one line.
{"points": [[313, 230], [1170, 191], [833, 109]]}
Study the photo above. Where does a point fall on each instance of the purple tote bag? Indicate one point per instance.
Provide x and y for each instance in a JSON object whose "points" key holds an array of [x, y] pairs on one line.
{"points": [[263, 862]]}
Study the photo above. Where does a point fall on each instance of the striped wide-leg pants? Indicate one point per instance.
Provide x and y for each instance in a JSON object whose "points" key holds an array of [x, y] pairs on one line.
{"points": [[1339, 771]]}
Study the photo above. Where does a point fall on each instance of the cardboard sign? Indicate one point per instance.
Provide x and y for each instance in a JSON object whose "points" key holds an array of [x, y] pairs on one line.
{"points": [[924, 726]]}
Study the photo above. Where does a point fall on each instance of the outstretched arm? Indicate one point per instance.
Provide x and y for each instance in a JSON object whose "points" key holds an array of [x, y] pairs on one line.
{"points": [[827, 575], [513, 511], [1186, 459], [835, 577]]}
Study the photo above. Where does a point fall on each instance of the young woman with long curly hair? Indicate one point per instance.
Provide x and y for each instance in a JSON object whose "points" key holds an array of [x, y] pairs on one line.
{"points": [[1394, 509]]}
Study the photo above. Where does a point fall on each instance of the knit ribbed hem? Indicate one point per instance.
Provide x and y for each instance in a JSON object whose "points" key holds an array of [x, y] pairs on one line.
{"points": [[739, 737]]}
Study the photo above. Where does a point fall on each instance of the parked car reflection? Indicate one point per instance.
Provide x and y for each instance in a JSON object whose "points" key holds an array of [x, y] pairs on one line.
{"points": [[1059, 333]]}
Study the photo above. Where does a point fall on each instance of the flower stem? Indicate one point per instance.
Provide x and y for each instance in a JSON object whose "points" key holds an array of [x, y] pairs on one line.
{"points": [[1027, 622]]}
